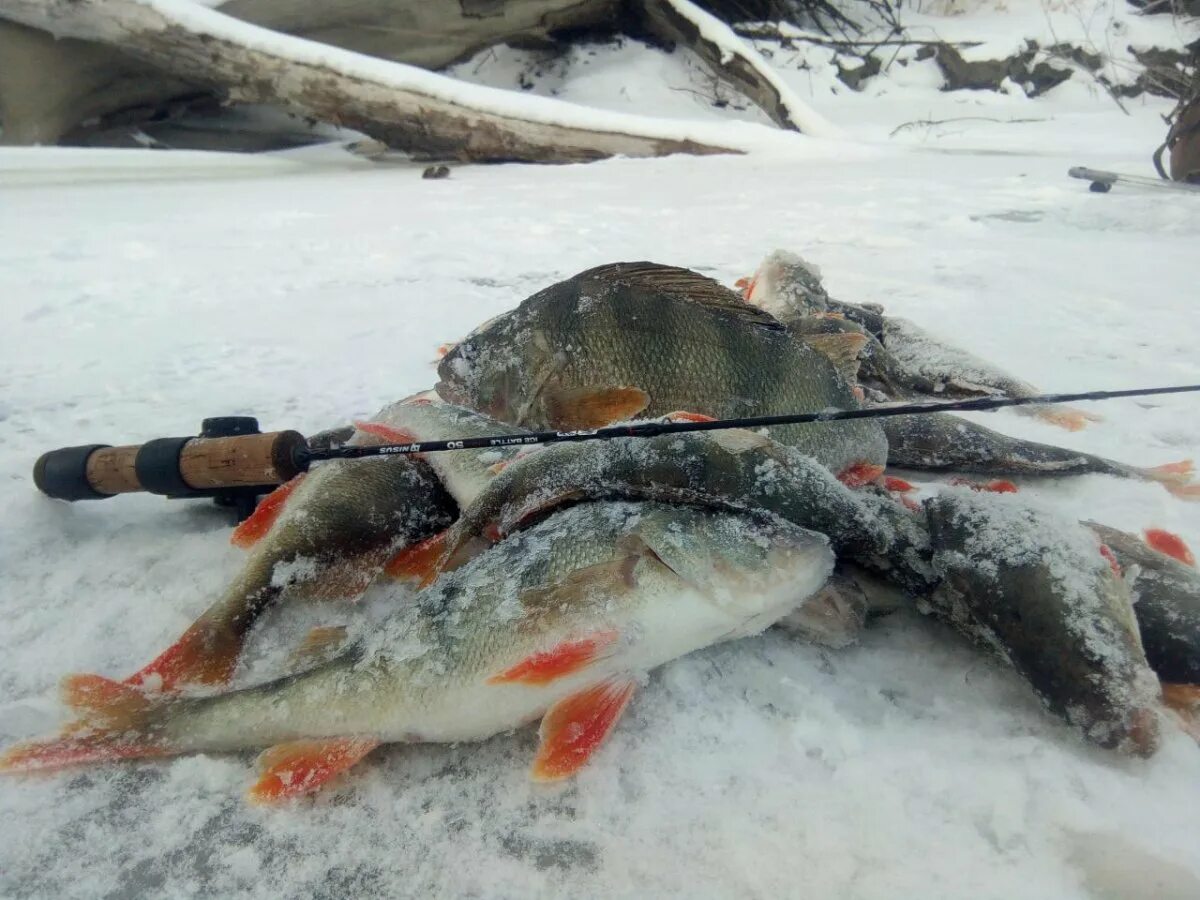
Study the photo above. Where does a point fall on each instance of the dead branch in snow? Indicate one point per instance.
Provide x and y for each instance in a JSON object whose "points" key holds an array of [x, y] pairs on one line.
{"points": [[733, 61]]}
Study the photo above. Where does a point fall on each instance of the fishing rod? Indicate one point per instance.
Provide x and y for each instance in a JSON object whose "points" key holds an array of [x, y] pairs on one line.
{"points": [[234, 463]]}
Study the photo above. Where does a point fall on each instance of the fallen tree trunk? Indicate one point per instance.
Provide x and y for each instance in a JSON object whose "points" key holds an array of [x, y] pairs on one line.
{"points": [[727, 55], [407, 108]]}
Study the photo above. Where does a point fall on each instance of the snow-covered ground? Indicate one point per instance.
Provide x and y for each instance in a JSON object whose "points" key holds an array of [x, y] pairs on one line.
{"points": [[143, 292]]}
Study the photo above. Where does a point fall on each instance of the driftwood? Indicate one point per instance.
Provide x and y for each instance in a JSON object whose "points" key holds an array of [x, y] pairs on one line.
{"points": [[105, 62], [407, 108], [52, 89]]}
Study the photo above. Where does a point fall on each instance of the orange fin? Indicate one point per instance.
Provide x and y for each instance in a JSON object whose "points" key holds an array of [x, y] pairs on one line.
{"points": [[421, 561], [33, 756], [594, 407], [683, 416], [295, 768], [564, 659], [251, 531], [1171, 544], [318, 646], [575, 726], [1065, 417], [1174, 472], [110, 714], [102, 701], [202, 655], [859, 474], [388, 433], [1184, 491], [997, 486], [897, 485]]}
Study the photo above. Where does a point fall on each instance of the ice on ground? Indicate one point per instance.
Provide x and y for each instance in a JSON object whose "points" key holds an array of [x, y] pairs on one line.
{"points": [[907, 765]]}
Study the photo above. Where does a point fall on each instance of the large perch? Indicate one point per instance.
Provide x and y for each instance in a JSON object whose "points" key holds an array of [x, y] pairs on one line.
{"points": [[407, 108]]}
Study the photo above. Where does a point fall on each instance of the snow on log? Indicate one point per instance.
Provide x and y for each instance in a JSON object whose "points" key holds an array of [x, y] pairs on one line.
{"points": [[735, 62], [407, 108]]}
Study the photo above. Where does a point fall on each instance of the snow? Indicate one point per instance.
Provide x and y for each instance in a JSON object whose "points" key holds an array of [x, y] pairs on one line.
{"points": [[315, 289]]}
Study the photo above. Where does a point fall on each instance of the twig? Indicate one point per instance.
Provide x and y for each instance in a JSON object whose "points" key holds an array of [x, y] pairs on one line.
{"points": [[931, 122]]}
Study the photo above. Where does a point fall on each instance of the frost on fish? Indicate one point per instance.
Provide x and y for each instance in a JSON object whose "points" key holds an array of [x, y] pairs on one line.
{"points": [[736, 469], [1039, 591], [326, 535], [561, 620]]}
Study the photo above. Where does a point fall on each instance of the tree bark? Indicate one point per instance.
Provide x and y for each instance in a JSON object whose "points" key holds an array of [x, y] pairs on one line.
{"points": [[407, 108]]}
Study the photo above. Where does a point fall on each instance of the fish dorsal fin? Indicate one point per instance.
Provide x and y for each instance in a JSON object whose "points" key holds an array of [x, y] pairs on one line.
{"points": [[841, 349], [575, 726], [684, 284], [298, 767]]}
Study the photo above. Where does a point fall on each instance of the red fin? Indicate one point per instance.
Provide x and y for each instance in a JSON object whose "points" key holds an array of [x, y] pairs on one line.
{"points": [[565, 659], [997, 486], [252, 530], [421, 561], [575, 726], [682, 416], [295, 768], [387, 432], [594, 407], [202, 655], [1171, 544], [1177, 472], [859, 474], [1107, 553], [497, 468], [33, 756], [897, 485]]}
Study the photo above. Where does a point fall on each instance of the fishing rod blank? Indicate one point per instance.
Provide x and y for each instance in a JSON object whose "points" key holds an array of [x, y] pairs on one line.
{"points": [[233, 463], [655, 428]]}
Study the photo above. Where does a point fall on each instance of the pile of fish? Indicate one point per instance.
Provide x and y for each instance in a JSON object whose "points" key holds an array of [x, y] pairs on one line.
{"points": [[544, 584]]}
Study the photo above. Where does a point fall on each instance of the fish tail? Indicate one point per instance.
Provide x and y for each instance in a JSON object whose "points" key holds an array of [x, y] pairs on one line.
{"points": [[1170, 473], [204, 654], [113, 723]]}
